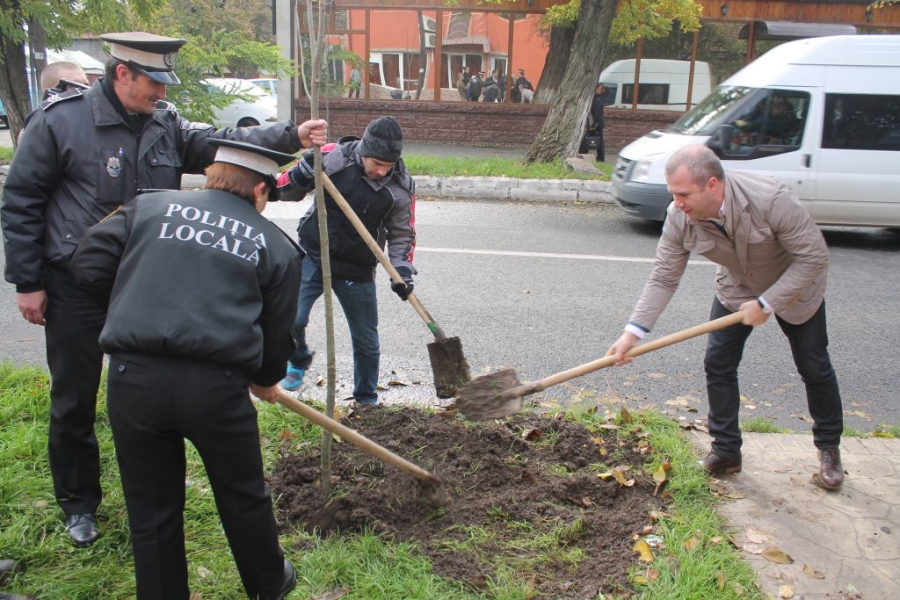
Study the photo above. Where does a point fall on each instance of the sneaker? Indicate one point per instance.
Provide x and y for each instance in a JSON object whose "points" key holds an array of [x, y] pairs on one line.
{"points": [[294, 378]]}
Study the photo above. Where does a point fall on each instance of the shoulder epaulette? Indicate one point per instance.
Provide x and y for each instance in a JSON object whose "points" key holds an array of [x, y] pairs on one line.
{"points": [[69, 95]]}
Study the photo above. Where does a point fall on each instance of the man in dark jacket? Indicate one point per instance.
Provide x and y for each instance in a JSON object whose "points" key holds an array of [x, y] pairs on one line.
{"points": [[180, 365], [372, 178], [596, 124], [84, 154]]}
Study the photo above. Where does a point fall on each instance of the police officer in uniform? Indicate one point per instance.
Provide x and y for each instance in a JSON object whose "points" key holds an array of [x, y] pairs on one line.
{"points": [[181, 365], [84, 154]]}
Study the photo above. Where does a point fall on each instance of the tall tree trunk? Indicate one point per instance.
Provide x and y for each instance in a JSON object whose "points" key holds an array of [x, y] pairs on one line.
{"points": [[563, 129], [14, 85], [561, 39]]}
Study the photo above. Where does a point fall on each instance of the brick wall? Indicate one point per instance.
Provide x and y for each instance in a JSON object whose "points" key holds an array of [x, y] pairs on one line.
{"points": [[476, 123]]}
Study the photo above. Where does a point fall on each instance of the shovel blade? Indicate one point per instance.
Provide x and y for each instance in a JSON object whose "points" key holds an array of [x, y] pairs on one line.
{"points": [[449, 366], [482, 399]]}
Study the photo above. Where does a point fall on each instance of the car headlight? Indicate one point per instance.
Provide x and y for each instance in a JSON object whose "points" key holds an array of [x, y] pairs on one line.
{"points": [[641, 170]]}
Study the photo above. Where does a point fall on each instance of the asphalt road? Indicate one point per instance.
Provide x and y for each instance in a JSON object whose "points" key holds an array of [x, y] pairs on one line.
{"points": [[541, 288]]}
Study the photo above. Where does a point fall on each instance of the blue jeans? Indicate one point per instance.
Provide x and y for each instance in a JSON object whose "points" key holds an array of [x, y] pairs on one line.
{"points": [[809, 346], [360, 306]]}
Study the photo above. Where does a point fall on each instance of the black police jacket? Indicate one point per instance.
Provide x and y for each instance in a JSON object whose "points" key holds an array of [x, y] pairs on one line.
{"points": [[78, 160], [198, 274]]}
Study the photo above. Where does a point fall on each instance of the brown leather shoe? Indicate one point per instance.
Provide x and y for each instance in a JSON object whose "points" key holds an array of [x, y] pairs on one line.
{"points": [[831, 473], [713, 463]]}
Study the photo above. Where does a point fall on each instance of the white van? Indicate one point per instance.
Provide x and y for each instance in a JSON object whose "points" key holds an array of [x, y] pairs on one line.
{"points": [[838, 148], [663, 84]]}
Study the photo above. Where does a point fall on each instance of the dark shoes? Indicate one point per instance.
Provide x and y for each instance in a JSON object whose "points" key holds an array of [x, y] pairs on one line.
{"points": [[83, 529], [288, 583], [714, 464], [831, 473], [7, 569]]}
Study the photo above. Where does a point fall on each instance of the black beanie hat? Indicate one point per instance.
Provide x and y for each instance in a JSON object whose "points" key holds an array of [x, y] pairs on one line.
{"points": [[382, 140]]}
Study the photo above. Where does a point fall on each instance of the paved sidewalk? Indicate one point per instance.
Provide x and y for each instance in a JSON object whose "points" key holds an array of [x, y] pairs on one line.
{"points": [[850, 537]]}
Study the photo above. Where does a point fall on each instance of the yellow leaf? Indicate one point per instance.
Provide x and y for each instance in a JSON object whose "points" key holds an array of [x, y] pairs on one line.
{"points": [[639, 580], [662, 473], [785, 591], [691, 543], [777, 556], [642, 548], [813, 573], [626, 416], [721, 580]]}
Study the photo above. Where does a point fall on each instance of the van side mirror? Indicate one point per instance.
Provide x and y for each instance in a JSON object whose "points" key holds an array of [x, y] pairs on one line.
{"points": [[720, 142]]}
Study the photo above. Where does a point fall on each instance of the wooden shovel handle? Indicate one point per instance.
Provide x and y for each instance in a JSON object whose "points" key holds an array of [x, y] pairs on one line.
{"points": [[379, 254], [607, 361], [355, 438]]}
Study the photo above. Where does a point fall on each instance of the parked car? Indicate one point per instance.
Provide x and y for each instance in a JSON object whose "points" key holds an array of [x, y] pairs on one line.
{"points": [[3, 119], [270, 86], [261, 108], [663, 84]]}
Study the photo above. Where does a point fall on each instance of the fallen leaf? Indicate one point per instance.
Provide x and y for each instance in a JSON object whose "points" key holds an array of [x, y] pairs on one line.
{"points": [[756, 536], [653, 574], [656, 375], [642, 548], [736, 495], [195, 596], [752, 548], [397, 382], [625, 415], [532, 434], [777, 556], [287, 434], [813, 573], [715, 540], [785, 591], [662, 473], [679, 401], [320, 381], [784, 469], [691, 543], [529, 477], [721, 580], [582, 502], [203, 572], [640, 580], [654, 541]]}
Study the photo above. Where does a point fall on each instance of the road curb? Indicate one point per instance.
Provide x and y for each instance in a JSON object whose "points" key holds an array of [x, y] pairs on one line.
{"points": [[484, 188]]}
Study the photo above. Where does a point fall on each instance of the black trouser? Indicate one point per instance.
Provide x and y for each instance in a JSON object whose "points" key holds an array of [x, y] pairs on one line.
{"points": [[809, 346], [157, 402], [74, 321]]}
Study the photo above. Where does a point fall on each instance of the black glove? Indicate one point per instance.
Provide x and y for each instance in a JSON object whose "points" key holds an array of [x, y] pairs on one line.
{"points": [[403, 288]]}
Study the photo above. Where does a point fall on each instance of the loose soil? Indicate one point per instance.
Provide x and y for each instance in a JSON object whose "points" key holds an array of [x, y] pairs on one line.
{"points": [[532, 472]]}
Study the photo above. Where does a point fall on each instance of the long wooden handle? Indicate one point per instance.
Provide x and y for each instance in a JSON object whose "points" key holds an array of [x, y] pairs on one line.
{"points": [[379, 254], [607, 361], [355, 438]]}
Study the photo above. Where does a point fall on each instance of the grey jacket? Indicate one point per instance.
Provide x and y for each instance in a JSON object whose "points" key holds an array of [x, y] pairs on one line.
{"points": [[79, 160], [778, 253]]}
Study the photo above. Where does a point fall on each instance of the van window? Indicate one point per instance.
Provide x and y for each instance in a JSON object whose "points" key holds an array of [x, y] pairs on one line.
{"points": [[776, 118], [650, 93], [706, 117], [862, 122]]}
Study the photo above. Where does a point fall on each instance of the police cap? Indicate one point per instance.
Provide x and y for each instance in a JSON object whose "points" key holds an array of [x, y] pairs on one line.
{"points": [[148, 53], [255, 158]]}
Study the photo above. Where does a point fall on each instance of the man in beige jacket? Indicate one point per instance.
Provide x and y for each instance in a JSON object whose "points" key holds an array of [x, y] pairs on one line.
{"points": [[772, 259]]}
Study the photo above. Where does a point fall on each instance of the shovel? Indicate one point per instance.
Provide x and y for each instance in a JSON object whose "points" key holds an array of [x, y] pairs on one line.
{"points": [[500, 394], [448, 364], [430, 486]]}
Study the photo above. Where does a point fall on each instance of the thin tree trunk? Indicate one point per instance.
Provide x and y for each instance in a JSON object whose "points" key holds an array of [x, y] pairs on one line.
{"points": [[561, 39], [317, 44], [563, 129]]}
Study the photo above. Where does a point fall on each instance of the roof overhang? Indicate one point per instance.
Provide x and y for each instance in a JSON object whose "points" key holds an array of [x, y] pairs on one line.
{"points": [[786, 30]]}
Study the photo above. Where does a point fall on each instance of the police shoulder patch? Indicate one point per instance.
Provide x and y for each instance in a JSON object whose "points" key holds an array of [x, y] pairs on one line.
{"points": [[58, 98]]}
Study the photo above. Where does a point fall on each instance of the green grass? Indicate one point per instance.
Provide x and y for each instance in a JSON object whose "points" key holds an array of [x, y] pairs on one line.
{"points": [[761, 425], [886, 430], [496, 167], [369, 566], [471, 167]]}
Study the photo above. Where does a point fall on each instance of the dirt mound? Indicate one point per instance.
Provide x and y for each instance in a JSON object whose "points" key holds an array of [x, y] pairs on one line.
{"points": [[532, 482]]}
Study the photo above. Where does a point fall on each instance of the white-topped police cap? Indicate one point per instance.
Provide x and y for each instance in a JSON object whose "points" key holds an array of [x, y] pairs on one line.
{"points": [[151, 54], [250, 156]]}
